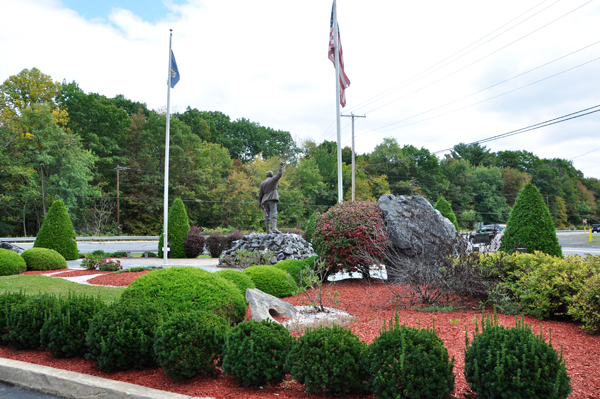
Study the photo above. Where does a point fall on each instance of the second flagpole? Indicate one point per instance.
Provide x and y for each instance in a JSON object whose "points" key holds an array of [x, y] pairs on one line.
{"points": [[166, 193], [337, 103]]}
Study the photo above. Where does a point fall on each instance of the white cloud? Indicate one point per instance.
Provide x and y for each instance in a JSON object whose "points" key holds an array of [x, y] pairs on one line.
{"points": [[266, 60]]}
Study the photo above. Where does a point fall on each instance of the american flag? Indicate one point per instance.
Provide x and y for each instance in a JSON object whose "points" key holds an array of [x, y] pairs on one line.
{"points": [[344, 81]]}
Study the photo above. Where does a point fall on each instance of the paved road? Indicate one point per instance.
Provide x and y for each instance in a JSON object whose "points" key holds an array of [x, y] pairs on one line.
{"points": [[108, 246], [14, 392]]}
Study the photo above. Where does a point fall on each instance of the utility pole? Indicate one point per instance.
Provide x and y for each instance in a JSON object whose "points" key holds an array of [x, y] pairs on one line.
{"points": [[353, 167], [118, 168]]}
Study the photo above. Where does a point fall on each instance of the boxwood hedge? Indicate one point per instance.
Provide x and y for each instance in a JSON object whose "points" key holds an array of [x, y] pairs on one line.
{"points": [[11, 263], [272, 280], [188, 289], [44, 259]]}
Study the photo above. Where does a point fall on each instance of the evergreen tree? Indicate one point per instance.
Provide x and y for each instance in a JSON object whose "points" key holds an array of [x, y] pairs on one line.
{"points": [[57, 232], [446, 210], [179, 226], [530, 225]]}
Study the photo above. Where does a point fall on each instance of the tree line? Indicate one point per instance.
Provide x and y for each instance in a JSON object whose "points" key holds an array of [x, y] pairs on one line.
{"points": [[59, 142]]}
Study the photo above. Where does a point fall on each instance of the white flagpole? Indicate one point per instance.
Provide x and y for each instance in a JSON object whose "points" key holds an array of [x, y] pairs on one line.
{"points": [[337, 102], [166, 194]]}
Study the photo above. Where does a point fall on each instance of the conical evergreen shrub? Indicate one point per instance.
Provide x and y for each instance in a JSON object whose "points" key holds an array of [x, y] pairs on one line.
{"points": [[179, 225], [446, 210], [57, 232], [530, 225]]}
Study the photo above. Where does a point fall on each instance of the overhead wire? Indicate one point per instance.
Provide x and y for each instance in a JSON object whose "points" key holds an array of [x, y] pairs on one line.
{"points": [[410, 80]]}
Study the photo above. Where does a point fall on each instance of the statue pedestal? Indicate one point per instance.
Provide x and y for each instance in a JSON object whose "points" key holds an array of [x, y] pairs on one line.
{"points": [[283, 246]]}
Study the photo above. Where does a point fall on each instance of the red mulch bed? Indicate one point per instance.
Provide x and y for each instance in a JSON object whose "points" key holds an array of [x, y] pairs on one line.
{"points": [[371, 304]]}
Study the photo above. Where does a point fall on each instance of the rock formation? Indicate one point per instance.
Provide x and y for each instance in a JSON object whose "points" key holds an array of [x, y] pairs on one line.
{"points": [[9, 246], [283, 246], [263, 306], [413, 225]]}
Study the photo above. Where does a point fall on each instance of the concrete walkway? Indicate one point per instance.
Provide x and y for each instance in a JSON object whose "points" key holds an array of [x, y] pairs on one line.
{"points": [[209, 264]]}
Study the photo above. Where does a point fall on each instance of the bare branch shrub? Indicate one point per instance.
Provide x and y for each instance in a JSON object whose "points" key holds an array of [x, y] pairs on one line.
{"points": [[432, 277]]}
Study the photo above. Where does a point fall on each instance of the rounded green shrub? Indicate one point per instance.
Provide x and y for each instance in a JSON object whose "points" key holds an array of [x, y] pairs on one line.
{"points": [[446, 210], [293, 267], [57, 232], [121, 336], [7, 301], [310, 261], [11, 263], [241, 280], [530, 225], [179, 225], [346, 232], [190, 343], [272, 280], [186, 289], [26, 319], [585, 305], [44, 259], [516, 361], [328, 357], [255, 352], [64, 332], [407, 362]]}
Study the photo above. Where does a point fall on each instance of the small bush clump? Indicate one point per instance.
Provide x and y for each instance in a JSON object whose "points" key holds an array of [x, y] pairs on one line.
{"points": [[26, 319], [190, 344], [255, 352], [409, 362], [348, 231], [121, 336], [241, 280], [64, 332], [179, 225], [194, 242], [446, 210], [530, 225], [43, 259], [585, 305], [186, 289], [328, 357], [57, 232], [216, 244], [293, 267], [514, 363], [7, 301], [309, 227], [11, 263], [272, 280], [231, 237]]}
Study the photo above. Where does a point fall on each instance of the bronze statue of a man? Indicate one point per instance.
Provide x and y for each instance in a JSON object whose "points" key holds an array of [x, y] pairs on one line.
{"points": [[268, 197]]}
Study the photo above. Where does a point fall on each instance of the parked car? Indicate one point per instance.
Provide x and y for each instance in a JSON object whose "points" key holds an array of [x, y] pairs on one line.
{"points": [[595, 228], [486, 233]]}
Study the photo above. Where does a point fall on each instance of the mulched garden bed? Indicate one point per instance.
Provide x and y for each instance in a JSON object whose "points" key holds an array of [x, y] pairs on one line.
{"points": [[371, 304]]}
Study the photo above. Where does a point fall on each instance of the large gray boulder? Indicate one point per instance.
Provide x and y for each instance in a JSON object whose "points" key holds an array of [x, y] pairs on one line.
{"points": [[414, 227], [11, 247], [263, 305]]}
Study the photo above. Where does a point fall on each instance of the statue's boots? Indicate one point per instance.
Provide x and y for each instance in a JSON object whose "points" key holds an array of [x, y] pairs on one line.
{"points": [[268, 224], [274, 226]]}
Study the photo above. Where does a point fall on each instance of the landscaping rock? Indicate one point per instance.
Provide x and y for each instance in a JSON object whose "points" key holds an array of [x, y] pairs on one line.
{"points": [[263, 305], [283, 246], [9, 246], [414, 227]]}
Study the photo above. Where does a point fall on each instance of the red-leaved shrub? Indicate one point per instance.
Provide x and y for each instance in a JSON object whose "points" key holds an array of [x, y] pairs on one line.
{"points": [[194, 242], [347, 229]]}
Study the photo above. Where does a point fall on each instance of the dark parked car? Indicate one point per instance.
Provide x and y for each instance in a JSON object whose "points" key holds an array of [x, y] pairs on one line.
{"points": [[486, 233], [595, 228]]}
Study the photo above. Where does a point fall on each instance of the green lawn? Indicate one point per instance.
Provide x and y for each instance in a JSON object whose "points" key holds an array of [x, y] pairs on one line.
{"points": [[34, 284]]}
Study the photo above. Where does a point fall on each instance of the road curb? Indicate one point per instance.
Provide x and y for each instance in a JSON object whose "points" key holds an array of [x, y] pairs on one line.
{"points": [[69, 384]]}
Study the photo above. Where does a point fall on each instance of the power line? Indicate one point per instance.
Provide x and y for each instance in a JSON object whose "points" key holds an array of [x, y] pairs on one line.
{"points": [[410, 80], [484, 57], [492, 86]]}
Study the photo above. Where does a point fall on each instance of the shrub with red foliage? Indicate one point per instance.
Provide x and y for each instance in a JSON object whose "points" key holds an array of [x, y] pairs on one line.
{"points": [[346, 231], [194, 242]]}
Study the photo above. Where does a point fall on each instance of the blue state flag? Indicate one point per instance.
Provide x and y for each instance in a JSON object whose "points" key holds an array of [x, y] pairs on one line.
{"points": [[174, 71]]}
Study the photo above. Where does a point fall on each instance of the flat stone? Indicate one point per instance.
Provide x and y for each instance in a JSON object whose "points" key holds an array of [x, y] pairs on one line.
{"points": [[263, 306]]}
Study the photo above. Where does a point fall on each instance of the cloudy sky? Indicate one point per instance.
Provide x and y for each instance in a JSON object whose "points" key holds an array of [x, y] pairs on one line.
{"points": [[430, 73]]}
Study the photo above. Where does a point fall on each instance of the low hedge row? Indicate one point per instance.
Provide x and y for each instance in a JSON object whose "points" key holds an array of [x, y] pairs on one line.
{"points": [[544, 286], [401, 362]]}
